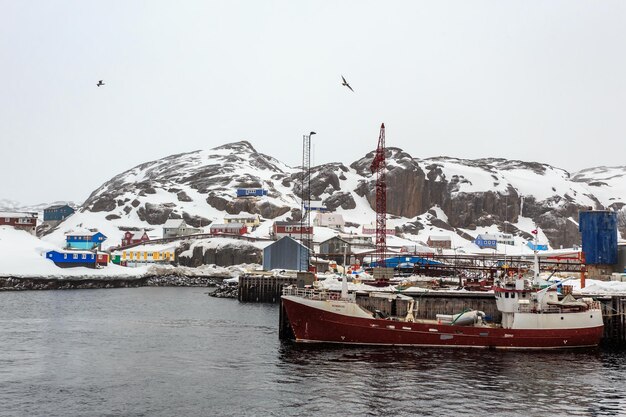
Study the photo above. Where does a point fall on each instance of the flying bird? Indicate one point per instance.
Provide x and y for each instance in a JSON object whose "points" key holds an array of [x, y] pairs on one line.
{"points": [[346, 84], [100, 83]]}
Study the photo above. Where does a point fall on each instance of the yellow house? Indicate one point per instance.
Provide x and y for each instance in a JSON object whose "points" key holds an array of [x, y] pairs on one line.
{"points": [[138, 256], [251, 220]]}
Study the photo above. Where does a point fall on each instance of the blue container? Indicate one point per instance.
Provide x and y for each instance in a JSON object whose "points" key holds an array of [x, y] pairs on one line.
{"points": [[599, 236]]}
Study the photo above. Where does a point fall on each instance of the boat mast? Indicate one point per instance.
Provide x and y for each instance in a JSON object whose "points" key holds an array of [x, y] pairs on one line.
{"points": [[535, 259]]}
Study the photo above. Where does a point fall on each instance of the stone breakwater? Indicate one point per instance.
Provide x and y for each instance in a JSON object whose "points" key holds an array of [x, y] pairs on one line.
{"points": [[27, 284]]}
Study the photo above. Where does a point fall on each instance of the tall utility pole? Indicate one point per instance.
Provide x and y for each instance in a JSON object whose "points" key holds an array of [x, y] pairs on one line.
{"points": [[305, 189], [378, 166]]}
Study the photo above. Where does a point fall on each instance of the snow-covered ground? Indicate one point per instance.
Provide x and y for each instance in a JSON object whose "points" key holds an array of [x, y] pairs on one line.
{"points": [[24, 255]]}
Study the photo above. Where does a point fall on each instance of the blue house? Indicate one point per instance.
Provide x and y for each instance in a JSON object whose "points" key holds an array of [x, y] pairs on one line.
{"points": [[486, 241], [251, 192], [537, 246], [58, 212], [71, 259], [84, 240], [286, 253]]}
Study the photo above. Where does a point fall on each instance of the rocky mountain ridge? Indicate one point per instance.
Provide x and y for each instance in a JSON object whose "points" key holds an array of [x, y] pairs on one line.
{"points": [[448, 194]]}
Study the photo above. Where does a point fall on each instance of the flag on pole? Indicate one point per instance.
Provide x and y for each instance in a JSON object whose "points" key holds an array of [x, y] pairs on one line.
{"points": [[534, 232]]}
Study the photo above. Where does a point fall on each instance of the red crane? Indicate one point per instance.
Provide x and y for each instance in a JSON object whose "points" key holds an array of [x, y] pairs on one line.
{"points": [[378, 166]]}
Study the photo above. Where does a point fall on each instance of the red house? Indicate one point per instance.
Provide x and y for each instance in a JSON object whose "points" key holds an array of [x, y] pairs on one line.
{"points": [[22, 221], [291, 229], [102, 259], [131, 238], [230, 228]]}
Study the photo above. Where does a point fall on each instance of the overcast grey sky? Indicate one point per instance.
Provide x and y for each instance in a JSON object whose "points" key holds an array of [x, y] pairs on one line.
{"points": [[540, 81]]}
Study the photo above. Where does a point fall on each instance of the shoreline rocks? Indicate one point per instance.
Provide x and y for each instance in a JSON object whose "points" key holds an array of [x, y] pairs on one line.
{"points": [[38, 284]]}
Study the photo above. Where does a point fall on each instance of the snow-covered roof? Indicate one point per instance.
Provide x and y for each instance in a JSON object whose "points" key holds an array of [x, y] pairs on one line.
{"points": [[487, 237], [57, 206], [75, 252], [439, 238], [13, 214], [227, 226], [173, 223], [81, 233], [138, 235], [241, 216]]}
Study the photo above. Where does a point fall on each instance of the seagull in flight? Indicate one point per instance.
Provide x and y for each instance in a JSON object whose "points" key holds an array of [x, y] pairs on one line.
{"points": [[346, 84], [101, 83]]}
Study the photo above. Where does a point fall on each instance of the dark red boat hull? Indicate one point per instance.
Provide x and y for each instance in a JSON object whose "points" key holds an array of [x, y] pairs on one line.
{"points": [[312, 325]]}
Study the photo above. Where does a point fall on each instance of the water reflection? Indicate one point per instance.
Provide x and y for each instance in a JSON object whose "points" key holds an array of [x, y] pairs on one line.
{"points": [[410, 381]]}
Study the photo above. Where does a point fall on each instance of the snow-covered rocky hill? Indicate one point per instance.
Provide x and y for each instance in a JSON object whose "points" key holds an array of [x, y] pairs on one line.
{"points": [[433, 196]]}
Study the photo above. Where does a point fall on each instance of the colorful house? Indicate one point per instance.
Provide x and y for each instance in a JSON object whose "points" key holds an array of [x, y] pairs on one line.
{"points": [[486, 241], [86, 240], [251, 192], [229, 228], [21, 221], [139, 256], [72, 259], [57, 213], [133, 238], [251, 220], [443, 242], [290, 229], [371, 230]]}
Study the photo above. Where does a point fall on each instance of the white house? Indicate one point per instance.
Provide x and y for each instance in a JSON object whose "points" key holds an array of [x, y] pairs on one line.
{"points": [[332, 220], [177, 228]]}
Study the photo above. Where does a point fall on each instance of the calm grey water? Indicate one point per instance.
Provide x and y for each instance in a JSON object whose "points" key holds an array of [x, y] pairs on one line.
{"points": [[178, 352]]}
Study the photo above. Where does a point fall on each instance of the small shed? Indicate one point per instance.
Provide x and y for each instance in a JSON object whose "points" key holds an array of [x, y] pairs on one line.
{"points": [[286, 253]]}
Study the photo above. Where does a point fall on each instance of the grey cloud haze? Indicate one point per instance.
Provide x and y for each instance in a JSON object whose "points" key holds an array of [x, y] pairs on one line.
{"points": [[537, 81]]}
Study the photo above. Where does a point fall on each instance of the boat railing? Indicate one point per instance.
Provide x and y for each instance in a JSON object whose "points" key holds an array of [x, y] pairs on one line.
{"points": [[591, 305], [312, 294]]}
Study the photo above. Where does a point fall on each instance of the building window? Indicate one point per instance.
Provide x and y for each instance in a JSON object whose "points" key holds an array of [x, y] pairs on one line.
{"points": [[65, 256], [75, 256], [84, 256]]}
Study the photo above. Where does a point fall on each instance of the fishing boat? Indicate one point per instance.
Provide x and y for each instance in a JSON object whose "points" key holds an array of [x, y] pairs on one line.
{"points": [[533, 317]]}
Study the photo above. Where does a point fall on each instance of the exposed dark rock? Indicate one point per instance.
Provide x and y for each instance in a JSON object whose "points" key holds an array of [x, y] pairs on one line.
{"points": [[196, 221], [225, 255], [182, 196], [154, 213], [342, 199], [103, 204], [112, 217]]}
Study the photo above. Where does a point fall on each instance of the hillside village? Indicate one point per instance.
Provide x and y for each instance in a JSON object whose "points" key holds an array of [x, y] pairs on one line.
{"points": [[173, 211]]}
